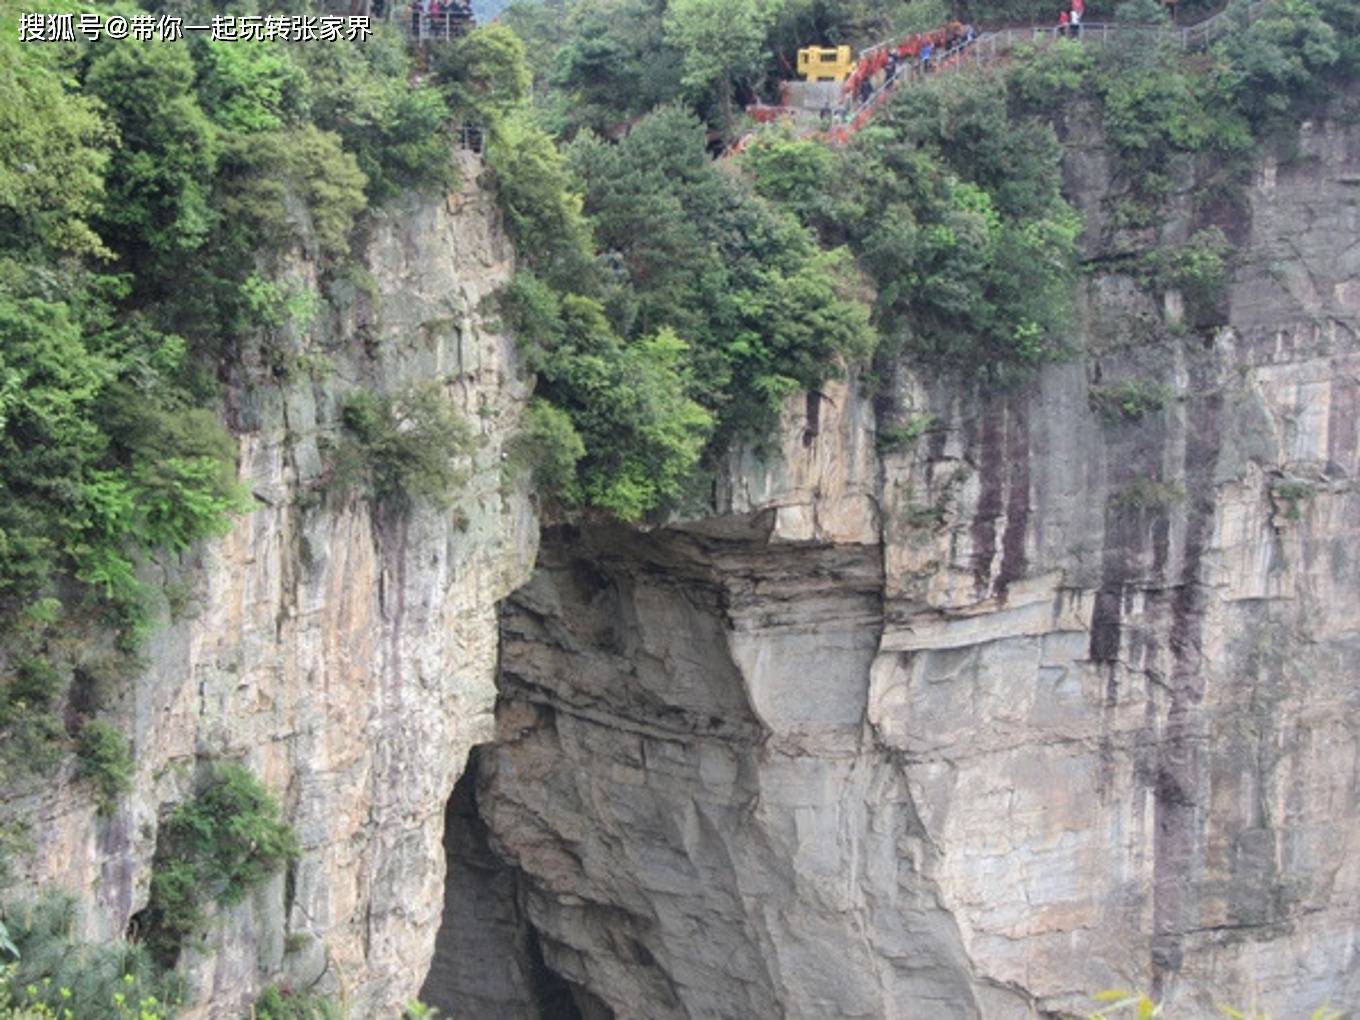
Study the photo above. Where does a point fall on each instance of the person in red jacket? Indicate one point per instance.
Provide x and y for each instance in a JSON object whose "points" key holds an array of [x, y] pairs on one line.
{"points": [[1063, 22]]}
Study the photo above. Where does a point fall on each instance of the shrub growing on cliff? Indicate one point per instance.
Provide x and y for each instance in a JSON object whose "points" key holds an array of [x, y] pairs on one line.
{"points": [[214, 847], [1128, 400], [275, 1003], [404, 445], [31, 732], [104, 758], [1198, 269], [550, 447]]}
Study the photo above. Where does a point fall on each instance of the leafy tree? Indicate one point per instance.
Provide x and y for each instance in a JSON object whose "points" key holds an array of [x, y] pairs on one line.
{"points": [[544, 28], [764, 310], [270, 178], [1041, 79], [616, 64], [1149, 116], [955, 210], [664, 430], [249, 86], [484, 75], [160, 177], [722, 42], [540, 200], [1015, 159], [796, 173], [1344, 18], [49, 440], [53, 154], [1280, 58], [549, 445], [397, 132], [642, 433], [616, 426]]}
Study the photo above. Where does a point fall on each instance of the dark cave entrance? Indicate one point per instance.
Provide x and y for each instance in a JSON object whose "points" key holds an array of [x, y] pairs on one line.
{"points": [[488, 960]]}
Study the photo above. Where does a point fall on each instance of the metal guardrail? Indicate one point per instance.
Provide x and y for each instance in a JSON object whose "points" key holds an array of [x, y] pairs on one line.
{"points": [[471, 137], [437, 27], [990, 46]]}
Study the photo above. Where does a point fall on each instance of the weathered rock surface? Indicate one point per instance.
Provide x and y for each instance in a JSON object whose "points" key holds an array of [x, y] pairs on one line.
{"points": [[347, 659], [1049, 702]]}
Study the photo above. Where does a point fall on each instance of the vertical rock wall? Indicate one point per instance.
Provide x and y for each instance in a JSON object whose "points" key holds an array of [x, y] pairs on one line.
{"points": [[1051, 701], [348, 660]]}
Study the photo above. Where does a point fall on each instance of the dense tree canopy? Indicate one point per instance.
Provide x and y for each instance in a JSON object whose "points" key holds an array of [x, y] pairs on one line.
{"points": [[668, 302]]}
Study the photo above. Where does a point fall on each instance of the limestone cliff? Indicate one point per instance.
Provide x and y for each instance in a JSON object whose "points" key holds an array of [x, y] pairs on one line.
{"points": [[347, 659], [1049, 698], [1046, 702]]}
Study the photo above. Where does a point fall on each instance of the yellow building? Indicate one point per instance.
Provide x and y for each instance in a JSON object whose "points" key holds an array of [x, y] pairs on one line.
{"points": [[825, 63]]}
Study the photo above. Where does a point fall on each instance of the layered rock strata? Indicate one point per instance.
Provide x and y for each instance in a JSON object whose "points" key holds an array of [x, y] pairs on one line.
{"points": [[1056, 699]]}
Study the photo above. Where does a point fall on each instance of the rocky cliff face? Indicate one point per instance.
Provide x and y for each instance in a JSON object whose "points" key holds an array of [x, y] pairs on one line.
{"points": [[1055, 699], [347, 658]]}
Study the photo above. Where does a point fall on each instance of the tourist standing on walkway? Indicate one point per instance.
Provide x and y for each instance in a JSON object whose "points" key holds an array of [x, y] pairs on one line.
{"points": [[1063, 21]]}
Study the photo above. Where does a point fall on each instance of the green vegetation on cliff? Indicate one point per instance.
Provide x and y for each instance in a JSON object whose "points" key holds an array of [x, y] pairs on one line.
{"points": [[212, 849], [149, 195], [153, 197], [941, 233], [668, 302], [53, 975]]}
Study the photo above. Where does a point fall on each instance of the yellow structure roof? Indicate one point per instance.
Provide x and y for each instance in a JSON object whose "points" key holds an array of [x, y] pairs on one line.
{"points": [[825, 63]]}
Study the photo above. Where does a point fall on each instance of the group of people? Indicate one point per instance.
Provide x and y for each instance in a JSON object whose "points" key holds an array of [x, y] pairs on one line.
{"points": [[879, 67], [442, 17], [1069, 21]]}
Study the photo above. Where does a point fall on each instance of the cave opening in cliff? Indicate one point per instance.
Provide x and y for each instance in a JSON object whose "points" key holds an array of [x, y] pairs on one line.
{"points": [[488, 958]]}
